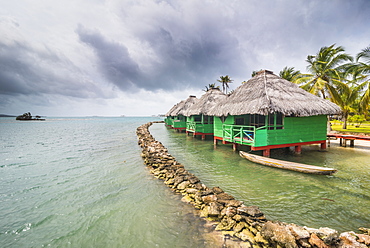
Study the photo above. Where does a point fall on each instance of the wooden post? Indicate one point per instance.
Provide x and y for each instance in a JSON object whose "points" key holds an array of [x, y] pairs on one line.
{"points": [[298, 149], [266, 153], [323, 146], [235, 146], [215, 141], [352, 143], [203, 136]]}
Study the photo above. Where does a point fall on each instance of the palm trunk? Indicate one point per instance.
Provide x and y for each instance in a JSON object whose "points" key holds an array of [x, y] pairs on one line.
{"points": [[345, 117]]}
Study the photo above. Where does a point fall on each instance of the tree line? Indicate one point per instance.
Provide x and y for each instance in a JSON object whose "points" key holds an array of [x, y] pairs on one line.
{"points": [[333, 75]]}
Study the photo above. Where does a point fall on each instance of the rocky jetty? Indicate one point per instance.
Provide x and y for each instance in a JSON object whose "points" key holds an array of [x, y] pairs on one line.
{"points": [[240, 225]]}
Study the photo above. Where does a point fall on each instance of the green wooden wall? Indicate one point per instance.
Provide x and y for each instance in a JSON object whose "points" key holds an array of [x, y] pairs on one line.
{"points": [[296, 130], [202, 123]]}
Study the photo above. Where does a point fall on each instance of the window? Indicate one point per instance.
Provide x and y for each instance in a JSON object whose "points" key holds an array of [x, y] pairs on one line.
{"points": [[239, 121], [279, 121], [258, 120], [207, 119], [275, 121]]}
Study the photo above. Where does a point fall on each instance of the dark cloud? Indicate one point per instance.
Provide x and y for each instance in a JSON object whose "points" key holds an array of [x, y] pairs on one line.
{"points": [[29, 71], [184, 44], [114, 60]]}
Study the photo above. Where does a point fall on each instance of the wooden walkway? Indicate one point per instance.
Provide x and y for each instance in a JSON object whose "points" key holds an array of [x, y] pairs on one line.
{"points": [[344, 137]]}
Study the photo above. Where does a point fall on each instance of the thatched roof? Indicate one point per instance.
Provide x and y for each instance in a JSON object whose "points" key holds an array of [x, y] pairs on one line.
{"points": [[206, 102], [181, 107], [172, 109], [267, 93]]}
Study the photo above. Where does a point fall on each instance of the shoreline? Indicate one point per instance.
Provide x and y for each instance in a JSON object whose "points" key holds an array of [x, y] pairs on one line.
{"points": [[233, 223]]}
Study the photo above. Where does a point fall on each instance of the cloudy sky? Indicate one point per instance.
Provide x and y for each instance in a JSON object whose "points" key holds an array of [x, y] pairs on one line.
{"points": [[140, 57]]}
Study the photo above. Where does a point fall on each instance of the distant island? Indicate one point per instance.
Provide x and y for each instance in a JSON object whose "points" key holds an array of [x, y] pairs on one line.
{"points": [[4, 115], [28, 117]]}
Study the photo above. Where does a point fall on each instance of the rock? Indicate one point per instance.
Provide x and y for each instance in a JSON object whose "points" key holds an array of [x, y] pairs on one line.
{"points": [[229, 211], [348, 240], [193, 180], [259, 239], [317, 242], [328, 235], [224, 196], [191, 191], [246, 235], [213, 210], [239, 226], [279, 234], [250, 211], [187, 199], [365, 230], [363, 238], [209, 198], [298, 231], [217, 190], [183, 185], [226, 224], [177, 180], [234, 203]]}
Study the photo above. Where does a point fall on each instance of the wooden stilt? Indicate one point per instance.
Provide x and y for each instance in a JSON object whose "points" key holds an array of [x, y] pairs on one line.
{"points": [[203, 136], [323, 146], [235, 146], [266, 153], [298, 149]]}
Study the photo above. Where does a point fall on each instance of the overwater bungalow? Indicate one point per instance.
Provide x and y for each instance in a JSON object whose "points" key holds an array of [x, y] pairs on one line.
{"points": [[169, 118], [176, 118], [199, 122], [269, 112]]}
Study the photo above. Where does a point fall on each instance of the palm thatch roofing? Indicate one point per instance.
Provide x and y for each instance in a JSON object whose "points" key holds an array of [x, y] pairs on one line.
{"points": [[206, 102], [181, 107], [172, 109], [267, 93]]}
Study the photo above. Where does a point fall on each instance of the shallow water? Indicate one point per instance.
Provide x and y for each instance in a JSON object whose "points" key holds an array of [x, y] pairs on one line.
{"points": [[340, 201], [80, 182]]}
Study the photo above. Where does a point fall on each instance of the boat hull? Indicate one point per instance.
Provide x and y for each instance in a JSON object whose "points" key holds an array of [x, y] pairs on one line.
{"points": [[305, 168]]}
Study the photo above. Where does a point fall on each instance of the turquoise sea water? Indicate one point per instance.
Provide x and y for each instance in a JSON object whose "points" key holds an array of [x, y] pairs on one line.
{"points": [[80, 182]]}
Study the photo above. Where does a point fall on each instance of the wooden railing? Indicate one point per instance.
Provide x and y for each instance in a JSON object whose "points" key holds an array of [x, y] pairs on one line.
{"points": [[192, 126], [239, 134]]}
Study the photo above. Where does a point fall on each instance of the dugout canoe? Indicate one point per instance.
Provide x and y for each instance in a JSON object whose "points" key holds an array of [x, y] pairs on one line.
{"points": [[305, 168]]}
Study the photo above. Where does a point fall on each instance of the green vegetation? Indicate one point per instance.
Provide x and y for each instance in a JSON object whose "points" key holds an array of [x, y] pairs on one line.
{"points": [[352, 127], [338, 77], [225, 81]]}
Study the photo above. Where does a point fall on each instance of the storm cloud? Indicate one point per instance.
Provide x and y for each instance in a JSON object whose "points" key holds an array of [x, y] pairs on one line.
{"points": [[122, 50]]}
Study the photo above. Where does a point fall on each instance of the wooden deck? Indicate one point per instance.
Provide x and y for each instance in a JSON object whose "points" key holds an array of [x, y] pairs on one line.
{"points": [[344, 137]]}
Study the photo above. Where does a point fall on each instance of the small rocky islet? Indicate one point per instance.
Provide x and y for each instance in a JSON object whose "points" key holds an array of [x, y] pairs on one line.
{"points": [[240, 225]]}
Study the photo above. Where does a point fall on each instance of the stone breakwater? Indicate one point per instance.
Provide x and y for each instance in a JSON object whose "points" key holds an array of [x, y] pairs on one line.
{"points": [[240, 225]]}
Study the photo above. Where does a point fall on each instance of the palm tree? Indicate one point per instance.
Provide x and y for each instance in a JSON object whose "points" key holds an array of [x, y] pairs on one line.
{"points": [[360, 71], [290, 74], [225, 81], [346, 96], [324, 70], [211, 86]]}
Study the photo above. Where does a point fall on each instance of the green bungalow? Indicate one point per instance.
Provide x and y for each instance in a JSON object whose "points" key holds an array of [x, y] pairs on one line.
{"points": [[269, 112], [175, 118], [170, 119], [199, 122]]}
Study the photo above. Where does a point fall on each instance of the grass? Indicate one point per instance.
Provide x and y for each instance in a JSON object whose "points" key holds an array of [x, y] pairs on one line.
{"points": [[351, 127]]}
